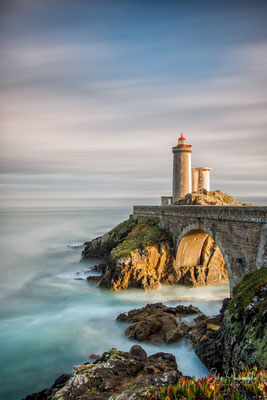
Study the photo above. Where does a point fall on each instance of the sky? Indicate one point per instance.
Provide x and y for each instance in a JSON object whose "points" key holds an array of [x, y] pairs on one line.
{"points": [[95, 93]]}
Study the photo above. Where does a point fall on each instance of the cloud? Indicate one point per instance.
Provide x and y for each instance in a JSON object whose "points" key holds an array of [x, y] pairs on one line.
{"points": [[95, 116]]}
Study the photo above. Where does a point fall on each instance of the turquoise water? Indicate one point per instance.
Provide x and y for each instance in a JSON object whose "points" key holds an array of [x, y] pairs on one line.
{"points": [[49, 320]]}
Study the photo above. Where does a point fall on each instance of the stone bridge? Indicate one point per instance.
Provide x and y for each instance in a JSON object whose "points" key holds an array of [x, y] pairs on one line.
{"points": [[239, 232]]}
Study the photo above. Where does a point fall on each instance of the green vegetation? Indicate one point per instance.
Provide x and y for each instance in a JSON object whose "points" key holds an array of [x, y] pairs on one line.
{"points": [[112, 351], [244, 293], [122, 229], [247, 385], [245, 315], [142, 235], [219, 195]]}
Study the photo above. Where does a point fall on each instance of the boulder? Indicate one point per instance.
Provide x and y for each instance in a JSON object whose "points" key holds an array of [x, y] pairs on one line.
{"points": [[155, 323], [206, 337]]}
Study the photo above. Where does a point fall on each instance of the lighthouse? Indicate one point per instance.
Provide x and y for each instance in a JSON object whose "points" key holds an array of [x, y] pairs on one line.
{"points": [[182, 183], [186, 179]]}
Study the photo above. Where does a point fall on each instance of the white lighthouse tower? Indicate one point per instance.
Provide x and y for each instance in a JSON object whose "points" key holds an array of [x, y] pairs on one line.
{"points": [[181, 183], [186, 179]]}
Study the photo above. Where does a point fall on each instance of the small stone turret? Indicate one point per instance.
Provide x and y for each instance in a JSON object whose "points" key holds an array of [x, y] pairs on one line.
{"points": [[201, 179], [181, 169]]}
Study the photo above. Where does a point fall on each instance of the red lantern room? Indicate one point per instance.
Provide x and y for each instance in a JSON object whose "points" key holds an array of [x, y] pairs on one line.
{"points": [[181, 142]]}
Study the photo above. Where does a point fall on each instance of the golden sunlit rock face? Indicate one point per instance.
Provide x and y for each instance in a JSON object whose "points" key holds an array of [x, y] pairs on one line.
{"points": [[144, 257], [199, 260]]}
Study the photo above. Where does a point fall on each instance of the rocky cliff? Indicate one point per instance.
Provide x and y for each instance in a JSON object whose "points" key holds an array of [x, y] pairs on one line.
{"points": [[102, 245], [237, 338], [141, 255], [211, 198]]}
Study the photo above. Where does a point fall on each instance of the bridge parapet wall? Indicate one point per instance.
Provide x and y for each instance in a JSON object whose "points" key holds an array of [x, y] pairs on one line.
{"points": [[232, 213]]}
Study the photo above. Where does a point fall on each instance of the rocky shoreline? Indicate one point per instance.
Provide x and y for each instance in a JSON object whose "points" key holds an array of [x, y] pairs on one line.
{"points": [[134, 375], [140, 255]]}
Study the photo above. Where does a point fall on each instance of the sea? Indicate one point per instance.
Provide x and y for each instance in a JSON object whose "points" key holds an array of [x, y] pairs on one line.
{"points": [[51, 317]]}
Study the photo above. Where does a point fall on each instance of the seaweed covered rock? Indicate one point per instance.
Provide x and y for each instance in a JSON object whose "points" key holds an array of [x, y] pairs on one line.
{"points": [[116, 373]]}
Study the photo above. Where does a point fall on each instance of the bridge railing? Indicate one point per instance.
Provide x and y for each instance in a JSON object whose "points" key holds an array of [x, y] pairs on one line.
{"points": [[232, 213]]}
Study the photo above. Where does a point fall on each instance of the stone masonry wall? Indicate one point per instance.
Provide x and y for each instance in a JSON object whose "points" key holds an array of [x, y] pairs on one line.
{"points": [[239, 232]]}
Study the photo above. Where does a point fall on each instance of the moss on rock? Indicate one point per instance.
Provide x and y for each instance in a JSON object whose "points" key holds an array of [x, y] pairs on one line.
{"points": [[246, 319], [142, 235], [246, 290]]}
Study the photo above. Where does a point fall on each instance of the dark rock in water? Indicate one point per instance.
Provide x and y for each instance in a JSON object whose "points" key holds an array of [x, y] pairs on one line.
{"points": [[141, 313], [78, 279], [138, 351], [61, 380], [93, 278], [99, 268], [206, 338], [155, 323], [47, 393], [128, 374], [185, 328], [94, 356]]}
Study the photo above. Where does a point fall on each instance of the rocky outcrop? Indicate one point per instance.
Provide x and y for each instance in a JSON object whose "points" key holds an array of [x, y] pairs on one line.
{"points": [[135, 376], [144, 268], [207, 336], [209, 198], [136, 255], [102, 246], [48, 393], [236, 338], [155, 323], [245, 321], [141, 255], [127, 375]]}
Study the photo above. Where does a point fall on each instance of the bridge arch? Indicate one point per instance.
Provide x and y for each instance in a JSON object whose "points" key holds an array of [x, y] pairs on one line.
{"points": [[199, 235]]}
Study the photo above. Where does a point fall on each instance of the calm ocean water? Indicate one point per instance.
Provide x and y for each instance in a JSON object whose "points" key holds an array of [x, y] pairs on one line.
{"points": [[49, 320]]}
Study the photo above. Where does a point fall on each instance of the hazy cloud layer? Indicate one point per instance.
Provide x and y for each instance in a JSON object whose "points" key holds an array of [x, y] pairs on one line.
{"points": [[94, 95]]}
